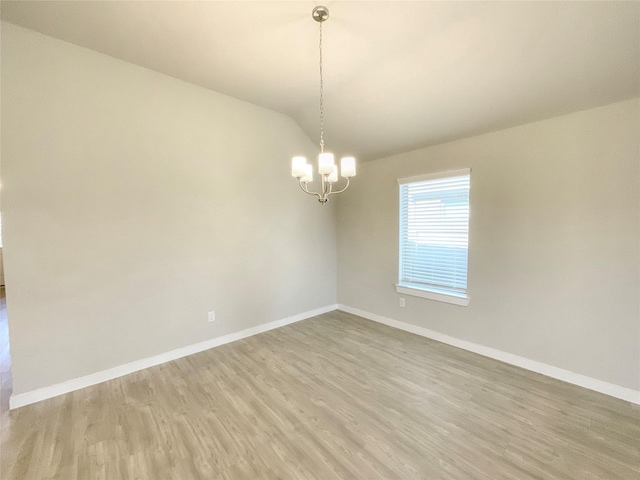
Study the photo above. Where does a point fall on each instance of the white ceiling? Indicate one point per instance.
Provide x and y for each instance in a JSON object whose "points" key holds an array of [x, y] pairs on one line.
{"points": [[398, 75]]}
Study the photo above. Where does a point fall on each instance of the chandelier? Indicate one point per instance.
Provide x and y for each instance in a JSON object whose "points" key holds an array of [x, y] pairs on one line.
{"points": [[327, 168]]}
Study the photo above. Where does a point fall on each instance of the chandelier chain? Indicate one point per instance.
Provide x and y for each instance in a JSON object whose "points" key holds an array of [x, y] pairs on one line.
{"points": [[321, 96]]}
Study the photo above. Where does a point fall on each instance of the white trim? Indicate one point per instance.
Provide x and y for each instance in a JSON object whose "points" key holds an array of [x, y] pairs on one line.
{"points": [[610, 389], [39, 394], [463, 301], [433, 176]]}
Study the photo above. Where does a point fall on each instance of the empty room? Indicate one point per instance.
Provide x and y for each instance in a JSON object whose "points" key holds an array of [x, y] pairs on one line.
{"points": [[291, 240]]}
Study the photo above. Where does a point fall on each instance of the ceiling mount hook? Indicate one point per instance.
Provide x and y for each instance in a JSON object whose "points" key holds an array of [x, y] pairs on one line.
{"points": [[320, 13]]}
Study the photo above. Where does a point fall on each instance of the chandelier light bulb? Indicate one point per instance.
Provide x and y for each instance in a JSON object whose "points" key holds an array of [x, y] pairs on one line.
{"points": [[333, 176], [348, 167], [308, 174], [297, 166], [325, 163]]}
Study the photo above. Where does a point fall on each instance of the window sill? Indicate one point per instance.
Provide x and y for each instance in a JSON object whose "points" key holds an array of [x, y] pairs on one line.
{"points": [[460, 300]]}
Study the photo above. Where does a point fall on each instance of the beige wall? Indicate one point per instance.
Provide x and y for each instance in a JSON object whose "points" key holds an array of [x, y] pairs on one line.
{"points": [[554, 267], [133, 203]]}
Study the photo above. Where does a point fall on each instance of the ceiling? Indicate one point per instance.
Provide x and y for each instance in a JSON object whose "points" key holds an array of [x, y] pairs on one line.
{"points": [[398, 75]]}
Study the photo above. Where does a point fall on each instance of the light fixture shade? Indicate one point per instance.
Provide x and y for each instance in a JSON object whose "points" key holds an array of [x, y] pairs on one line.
{"points": [[348, 167], [333, 176], [308, 173], [297, 166], [325, 163]]}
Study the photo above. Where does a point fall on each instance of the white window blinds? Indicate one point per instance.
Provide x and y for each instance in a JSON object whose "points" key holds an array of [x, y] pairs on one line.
{"points": [[434, 232]]}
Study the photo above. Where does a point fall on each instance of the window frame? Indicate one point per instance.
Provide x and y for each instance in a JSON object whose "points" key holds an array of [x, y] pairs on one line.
{"points": [[431, 292]]}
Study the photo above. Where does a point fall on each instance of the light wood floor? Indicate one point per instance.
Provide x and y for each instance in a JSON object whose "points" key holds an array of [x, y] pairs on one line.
{"points": [[333, 397], [5, 365]]}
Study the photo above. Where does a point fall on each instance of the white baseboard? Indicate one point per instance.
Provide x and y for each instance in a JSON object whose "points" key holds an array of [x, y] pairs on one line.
{"points": [[34, 396], [610, 389]]}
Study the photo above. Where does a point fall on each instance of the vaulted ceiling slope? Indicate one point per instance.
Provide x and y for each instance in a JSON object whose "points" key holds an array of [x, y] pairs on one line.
{"points": [[398, 75]]}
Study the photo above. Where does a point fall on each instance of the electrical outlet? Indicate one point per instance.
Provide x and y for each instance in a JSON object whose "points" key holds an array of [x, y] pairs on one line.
{"points": [[401, 302], [212, 316]]}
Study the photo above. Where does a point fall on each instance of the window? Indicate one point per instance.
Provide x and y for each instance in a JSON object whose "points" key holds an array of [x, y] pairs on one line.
{"points": [[434, 236]]}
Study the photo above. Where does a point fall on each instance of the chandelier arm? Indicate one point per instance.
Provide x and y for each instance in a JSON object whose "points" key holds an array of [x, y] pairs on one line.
{"points": [[305, 189], [345, 187]]}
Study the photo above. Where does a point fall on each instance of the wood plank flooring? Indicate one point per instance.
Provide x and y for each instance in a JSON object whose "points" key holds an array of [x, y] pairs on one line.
{"points": [[5, 365], [333, 397]]}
